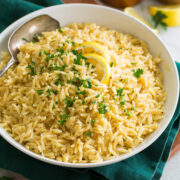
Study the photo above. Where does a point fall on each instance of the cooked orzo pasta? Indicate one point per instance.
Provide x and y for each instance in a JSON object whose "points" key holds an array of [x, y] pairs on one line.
{"points": [[54, 103]]}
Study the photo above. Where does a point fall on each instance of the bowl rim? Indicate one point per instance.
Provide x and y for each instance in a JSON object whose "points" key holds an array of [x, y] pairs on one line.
{"points": [[18, 146]]}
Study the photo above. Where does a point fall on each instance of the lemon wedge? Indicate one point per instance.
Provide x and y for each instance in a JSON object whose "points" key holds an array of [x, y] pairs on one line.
{"points": [[90, 46], [102, 67], [172, 12], [130, 11]]}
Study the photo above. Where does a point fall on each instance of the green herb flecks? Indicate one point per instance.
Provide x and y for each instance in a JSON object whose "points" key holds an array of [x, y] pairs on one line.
{"points": [[32, 68], [133, 63], [128, 114], [83, 102], [120, 92], [87, 83], [157, 20], [92, 121], [81, 92], [122, 103], [41, 69], [64, 118], [73, 43], [40, 91], [69, 101], [111, 65], [78, 58], [40, 53], [137, 73], [55, 67], [94, 102], [60, 30], [48, 56], [59, 81], [88, 134], [97, 96], [25, 39], [52, 91], [102, 108], [36, 38]]}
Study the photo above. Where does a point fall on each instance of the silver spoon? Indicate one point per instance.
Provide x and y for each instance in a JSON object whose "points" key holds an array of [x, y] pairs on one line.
{"points": [[36, 25]]}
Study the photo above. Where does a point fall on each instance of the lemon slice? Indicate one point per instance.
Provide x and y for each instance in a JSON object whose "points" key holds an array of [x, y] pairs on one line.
{"points": [[90, 46], [102, 67], [130, 11], [172, 12]]}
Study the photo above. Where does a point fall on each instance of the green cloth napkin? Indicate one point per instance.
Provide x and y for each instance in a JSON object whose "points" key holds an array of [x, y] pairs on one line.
{"points": [[146, 165]]}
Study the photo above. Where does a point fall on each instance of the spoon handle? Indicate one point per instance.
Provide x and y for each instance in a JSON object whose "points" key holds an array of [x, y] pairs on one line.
{"points": [[7, 66]]}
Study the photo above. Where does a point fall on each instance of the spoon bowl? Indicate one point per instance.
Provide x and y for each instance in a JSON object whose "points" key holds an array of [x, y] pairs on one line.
{"points": [[26, 32]]}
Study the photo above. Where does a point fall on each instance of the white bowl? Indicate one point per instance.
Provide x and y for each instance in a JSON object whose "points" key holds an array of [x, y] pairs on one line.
{"points": [[113, 19]]}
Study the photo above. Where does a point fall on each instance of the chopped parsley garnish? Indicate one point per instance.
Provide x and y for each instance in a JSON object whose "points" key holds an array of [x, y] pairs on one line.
{"points": [[56, 102], [93, 66], [63, 117], [61, 122], [73, 43], [41, 69], [78, 58], [122, 103], [48, 56], [36, 37], [59, 81], [76, 81], [88, 133], [60, 30], [120, 91], [94, 102], [32, 68], [128, 114], [111, 64], [137, 73], [83, 102], [86, 83], [40, 53], [120, 48], [133, 108], [55, 67], [97, 95], [157, 20], [69, 101], [133, 63], [40, 91], [61, 51], [92, 121], [125, 110], [132, 90], [62, 67], [24, 39], [81, 92], [102, 108], [52, 91]]}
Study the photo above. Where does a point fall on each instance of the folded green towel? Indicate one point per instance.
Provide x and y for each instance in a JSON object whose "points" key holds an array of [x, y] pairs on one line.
{"points": [[146, 165]]}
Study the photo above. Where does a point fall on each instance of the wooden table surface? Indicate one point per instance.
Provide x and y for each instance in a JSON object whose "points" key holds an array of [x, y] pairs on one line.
{"points": [[176, 145]]}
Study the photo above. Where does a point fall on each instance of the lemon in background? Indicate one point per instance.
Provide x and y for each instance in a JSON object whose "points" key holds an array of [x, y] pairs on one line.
{"points": [[130, 11], [172, 13]]}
